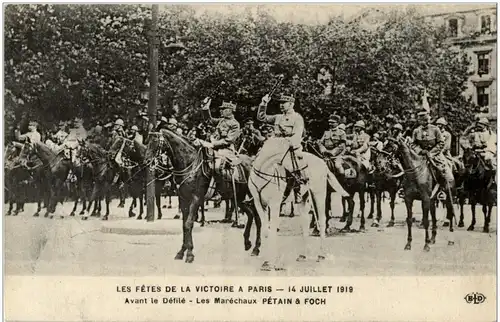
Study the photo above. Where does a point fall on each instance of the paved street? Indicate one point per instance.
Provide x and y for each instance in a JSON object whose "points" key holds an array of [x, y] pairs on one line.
{"points": [[71, 246]]}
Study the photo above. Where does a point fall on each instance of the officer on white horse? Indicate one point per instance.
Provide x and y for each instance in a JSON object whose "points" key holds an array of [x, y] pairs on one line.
{"points": [[290, 126]]}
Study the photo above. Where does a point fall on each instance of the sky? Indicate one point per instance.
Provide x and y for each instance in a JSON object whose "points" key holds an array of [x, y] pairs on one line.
{"points": [[321, 12]]}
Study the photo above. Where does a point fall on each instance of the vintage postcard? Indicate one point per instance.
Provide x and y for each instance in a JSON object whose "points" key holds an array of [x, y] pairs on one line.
{"points": [[250, 162]]}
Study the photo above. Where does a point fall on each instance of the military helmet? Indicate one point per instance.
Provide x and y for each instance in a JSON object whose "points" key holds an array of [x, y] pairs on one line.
{"points": [[341, 126], [163, 119], [483, 121], [134, 128], [376, 136], [360, 124], [441, 121], [398, 126], [119, 122], [334, 119]]}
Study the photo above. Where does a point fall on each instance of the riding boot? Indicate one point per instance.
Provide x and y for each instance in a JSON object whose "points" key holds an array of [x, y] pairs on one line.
{"points": [[301, 181]]}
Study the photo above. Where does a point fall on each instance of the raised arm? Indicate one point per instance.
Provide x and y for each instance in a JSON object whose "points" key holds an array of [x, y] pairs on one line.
{"points": [[261, 113], [205, 108]]}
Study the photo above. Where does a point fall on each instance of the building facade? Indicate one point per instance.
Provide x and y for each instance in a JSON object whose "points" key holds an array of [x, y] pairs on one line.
{"points": [[475, 33]]}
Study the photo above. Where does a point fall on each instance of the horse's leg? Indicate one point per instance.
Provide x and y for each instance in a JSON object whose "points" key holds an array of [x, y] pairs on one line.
{"points": [[133, 204], [141, 204], [246, 234], [74, 206], [372, 193], [486, 213], [472, 201], [426, 206], [362, 209], [345, 212], [392, 203], [169, 201], [11, 205], [461, 202], [350, 207], [184, 207], [158, 187], [378, 201], [188, 226], [107, 200], [409, 220]]}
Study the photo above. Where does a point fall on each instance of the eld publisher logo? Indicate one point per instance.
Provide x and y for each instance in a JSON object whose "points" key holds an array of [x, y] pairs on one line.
{"points": [[475, 298]]}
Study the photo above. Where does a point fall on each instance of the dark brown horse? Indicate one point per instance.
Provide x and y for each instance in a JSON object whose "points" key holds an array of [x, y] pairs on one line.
{"points": [[418, 185], [480, 186], [55, 172], [192, 175], [386, 177]]}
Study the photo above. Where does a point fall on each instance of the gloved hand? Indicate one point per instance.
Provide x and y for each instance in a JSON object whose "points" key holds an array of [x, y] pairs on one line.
{"points": [[265, 100], [206, 103]]}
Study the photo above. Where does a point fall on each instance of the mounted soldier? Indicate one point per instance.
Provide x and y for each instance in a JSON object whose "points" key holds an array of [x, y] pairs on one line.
{"points": [[251, 139], [429, 141], [334, 139], [32, 135], [483, 142], [227, 132], [375, 143], [360, 145], [135, 135], [290, 127], [455, 164]]}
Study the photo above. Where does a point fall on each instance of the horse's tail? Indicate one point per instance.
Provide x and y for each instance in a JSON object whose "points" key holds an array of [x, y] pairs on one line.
{"points": [[334, 183]]}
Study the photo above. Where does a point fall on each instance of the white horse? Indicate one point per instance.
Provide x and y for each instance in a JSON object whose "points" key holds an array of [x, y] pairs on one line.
{"points": [[267, 183]]}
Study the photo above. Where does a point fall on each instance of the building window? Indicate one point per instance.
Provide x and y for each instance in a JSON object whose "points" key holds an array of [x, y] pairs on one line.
{"points": [[485, 24], [453, 27], [483, 64], [483, 96]]}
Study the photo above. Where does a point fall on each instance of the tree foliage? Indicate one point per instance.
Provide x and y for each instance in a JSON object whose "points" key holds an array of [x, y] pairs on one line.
{"points": [[91, 61]]}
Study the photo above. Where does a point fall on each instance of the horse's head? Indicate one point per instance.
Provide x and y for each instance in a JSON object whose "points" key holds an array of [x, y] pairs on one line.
{"points": [[156, 144], [471, 158]]}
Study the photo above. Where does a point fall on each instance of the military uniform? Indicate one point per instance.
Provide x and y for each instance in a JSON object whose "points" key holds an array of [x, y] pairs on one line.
{"points": [[333, 141], [227, 130], [485, 143], [360, 145], [429, 138]]}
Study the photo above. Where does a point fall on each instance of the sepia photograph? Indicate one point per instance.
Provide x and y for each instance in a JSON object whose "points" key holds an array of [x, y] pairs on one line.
{"points": [[213, 155]]}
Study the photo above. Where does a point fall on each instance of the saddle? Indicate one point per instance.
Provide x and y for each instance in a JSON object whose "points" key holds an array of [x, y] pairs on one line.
{"points": [[226, 164]]}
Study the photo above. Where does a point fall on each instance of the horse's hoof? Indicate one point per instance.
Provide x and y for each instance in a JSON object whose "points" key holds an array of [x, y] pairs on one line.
{"points": [[433, 241], [408, 247], [51, 217], [240, 226], [461, 224], [426, 248], [358, 216], [82, 212], [85, 218], [169, 207], [234, 225], [375, 224], [105, 218], [179, 256], [390, 224], [315, 232], [343, 219], [362, 229], [255, 252], [177, 217], [248, 245], [46, 215], [446, 224], [471, 228], [202, 224], [320, 258], [140, 217], [160, 216], [189, 259], [8, 214], [301, 258], [451, 243], [72, 214], [370, 216], [225, 221], [35, 215], [486, 230], [346, 229], [61, 217]]}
